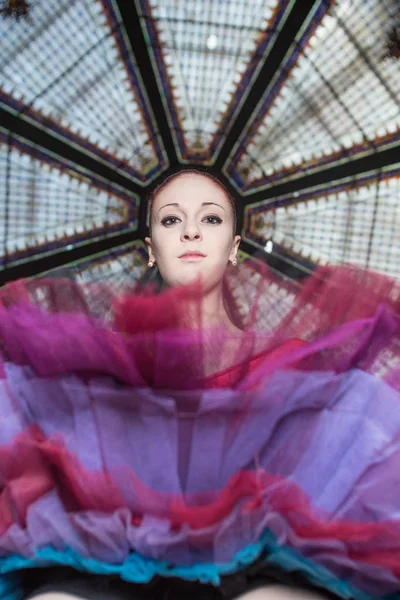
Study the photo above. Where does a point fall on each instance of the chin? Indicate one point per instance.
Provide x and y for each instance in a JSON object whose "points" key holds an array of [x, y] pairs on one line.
{"points": [[196, 274], [190, 278]]}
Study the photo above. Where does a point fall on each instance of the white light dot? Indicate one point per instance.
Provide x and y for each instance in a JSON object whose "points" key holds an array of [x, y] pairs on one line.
{"points": [[269, 246], [212, 42]]}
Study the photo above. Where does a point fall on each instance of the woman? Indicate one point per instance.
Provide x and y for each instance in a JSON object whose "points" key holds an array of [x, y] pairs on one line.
{"points": [[198, 442]]}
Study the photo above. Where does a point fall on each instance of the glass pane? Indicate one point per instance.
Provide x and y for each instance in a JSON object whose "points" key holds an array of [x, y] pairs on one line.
{"points": [[67, 64], [206, 53], [354, 222], [342, 98], [40, 204]]}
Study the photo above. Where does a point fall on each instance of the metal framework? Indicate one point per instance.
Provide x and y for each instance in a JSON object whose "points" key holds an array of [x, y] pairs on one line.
{"points": [[289, 103]]}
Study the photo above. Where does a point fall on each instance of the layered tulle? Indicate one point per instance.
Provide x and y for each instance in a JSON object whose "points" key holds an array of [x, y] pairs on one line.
{"points": [[134, 441]]}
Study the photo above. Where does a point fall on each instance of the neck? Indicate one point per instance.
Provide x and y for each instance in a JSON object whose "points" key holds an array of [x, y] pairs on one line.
{"points": [[213, 311]]}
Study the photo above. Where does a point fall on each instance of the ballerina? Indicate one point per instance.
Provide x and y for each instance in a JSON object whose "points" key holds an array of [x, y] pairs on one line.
{"points": [[155, 444]]}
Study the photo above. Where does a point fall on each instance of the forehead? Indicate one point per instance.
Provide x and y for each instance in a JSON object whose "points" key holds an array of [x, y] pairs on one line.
{"points": [[193, 189]]}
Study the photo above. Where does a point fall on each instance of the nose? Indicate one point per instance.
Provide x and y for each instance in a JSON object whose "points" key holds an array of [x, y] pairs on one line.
{"points": [[190, 232]]}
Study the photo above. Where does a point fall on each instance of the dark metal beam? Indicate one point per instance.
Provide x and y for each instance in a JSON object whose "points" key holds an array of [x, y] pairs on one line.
{"points": [[350, 168], [283, 42], [132, 22], [281, 261], [42, 263], [19, 125]]}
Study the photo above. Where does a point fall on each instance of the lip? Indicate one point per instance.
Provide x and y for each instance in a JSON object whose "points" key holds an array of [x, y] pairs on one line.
{"points": [[192, 255]]}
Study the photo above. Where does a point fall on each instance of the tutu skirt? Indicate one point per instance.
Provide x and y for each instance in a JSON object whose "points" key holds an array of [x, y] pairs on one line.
{"points": [[123, 453]]}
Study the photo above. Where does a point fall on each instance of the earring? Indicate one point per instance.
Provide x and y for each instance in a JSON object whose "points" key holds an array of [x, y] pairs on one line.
{"points": [[150, 264], [234, 262]]}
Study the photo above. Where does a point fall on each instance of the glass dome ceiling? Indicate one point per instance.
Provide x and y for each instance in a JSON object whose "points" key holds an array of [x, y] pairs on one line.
{"points": [[295, 104]]}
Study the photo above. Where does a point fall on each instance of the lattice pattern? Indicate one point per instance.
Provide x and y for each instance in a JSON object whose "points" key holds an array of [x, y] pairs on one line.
{"points": [[67, 65], [358, 223], [342, 98], [119, 267], [40, 203], [274, 300], [205, 52]]}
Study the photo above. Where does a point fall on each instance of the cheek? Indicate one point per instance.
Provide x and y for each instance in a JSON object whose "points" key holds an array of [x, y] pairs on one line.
{"points": [[222, 244], [160, 241], [164, 250]]}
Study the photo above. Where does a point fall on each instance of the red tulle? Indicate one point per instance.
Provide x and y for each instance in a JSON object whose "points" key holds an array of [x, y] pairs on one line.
{"points": [[160, 340], [25, 476], [339, 319], [45, 464]]}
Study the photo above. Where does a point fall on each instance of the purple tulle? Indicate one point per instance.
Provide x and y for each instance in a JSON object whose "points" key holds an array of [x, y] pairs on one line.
{"points": [[340, 452], [166, 417]]}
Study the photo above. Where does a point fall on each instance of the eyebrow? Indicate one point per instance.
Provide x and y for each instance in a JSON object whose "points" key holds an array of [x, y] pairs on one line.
{"points": [[202, 204]]}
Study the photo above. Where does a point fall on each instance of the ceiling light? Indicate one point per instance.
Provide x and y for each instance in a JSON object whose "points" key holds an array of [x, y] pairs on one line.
{"points": [[212, 42], [269, 246]]}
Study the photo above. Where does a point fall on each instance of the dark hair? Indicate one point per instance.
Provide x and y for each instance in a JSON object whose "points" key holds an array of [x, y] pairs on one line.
{"points": [[171, 178]]}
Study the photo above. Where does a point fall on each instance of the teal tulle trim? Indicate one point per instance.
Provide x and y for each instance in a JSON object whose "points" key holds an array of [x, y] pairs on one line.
{"points": [[138, 569]]}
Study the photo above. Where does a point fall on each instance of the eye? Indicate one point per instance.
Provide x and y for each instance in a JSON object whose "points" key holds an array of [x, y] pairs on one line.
{"points": [[212, 220], [168, 221]]}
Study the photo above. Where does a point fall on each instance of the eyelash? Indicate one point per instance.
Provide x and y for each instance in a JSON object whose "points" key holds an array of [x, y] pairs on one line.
{"points": [[166, 221]]}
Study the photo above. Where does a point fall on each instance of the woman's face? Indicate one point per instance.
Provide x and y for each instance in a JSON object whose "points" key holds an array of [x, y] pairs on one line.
{"points": [[192, 231]]}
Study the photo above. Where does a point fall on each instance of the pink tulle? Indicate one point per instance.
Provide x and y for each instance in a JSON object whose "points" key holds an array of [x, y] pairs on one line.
{"points": [[305, 354]]}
